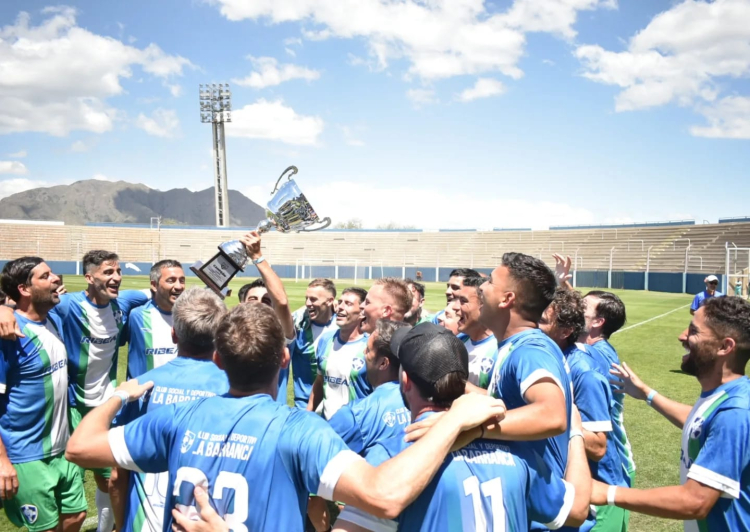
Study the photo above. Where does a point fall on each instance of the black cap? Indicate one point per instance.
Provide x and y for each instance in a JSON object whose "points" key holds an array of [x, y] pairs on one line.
{"points": [[429, 352]]}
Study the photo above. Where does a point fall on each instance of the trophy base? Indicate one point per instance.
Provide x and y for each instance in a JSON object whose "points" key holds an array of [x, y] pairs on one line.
{"points": [[216, 273]]}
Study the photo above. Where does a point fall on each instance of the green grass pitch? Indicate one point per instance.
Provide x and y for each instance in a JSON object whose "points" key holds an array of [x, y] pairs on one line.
{"points": [[650, 349]]}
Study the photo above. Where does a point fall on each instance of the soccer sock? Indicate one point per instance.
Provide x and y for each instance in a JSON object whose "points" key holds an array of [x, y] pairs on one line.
{"points": [[104, 511]]}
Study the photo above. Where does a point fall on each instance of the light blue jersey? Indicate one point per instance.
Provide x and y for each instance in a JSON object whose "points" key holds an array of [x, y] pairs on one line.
{"points": [[92, 337], [342, 366], [603, 356], [482, 357], [487, 485], [527, 357], [34, 387], [377, 417], [303, 352], [149, 338], [592, 395], [180, 380], [258, 460], [701, 297], [716, 453]]}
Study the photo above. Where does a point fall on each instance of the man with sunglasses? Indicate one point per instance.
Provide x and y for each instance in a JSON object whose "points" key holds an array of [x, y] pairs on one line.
{"points": [[700, 299]]}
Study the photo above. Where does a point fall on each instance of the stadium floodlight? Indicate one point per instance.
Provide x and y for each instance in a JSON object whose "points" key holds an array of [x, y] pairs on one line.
{"points": [[215, 108]]}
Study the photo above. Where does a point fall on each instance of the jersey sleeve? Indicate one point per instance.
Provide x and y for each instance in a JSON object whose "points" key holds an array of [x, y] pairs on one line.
{"points": [[136, 344], [717, 468], [144, 444], [696, 302], [345, 425], [314, 453], [130, 299], [592, 397], [548, 497], [535, 365]]}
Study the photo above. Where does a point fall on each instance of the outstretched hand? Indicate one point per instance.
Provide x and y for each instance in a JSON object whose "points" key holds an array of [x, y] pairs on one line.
{"points": [[470, 410], [209, 520], [628, 382], [134, 390], [562, 269], [251, 241]]}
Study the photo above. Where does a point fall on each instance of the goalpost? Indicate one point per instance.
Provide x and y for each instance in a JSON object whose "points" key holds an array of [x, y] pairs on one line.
{"points": [[737, 269]]}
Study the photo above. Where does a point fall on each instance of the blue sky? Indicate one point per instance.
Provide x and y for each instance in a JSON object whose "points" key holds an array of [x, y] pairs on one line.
{"points": [[441, 113]]}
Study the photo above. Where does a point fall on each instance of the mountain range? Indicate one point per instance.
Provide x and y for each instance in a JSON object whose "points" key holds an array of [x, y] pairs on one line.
{"points": [[121, 202]]}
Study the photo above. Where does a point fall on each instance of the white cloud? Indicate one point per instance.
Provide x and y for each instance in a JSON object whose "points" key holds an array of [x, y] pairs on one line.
{"points": [[18, 155], [483, 88], [290, 52], [439, 39], [272, 120], [436, 208], [420, 97], [175, 89], [81, 146], [268, 73], [350, 136], [13, 167], [102, 177], [57, 75], [683, 56], [728, 118], [8, 187], [161, 123]]}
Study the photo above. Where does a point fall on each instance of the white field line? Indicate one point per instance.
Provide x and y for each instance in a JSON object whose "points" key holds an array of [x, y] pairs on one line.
{"points": [[650, 319]]}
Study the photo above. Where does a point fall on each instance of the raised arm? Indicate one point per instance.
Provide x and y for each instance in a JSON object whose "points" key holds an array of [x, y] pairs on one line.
{"points": [[544, 416], [274, 285], [628, 382], [577, 473], [562, 271]]}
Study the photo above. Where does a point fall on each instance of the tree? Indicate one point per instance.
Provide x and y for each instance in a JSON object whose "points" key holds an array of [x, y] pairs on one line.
{"points": [[354, 223]]}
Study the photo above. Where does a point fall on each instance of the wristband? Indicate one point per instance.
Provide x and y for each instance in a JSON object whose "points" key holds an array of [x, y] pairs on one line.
{"points": [[258, 260], [124, 397], [650, 398], [611, 495], [575, 433]]}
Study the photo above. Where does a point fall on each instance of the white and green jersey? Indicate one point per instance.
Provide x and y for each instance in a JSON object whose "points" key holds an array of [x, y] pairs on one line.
{"points": [[482, 356], [149, 337], [34, 387], [342, 366], [716, 453], [92, 337]]}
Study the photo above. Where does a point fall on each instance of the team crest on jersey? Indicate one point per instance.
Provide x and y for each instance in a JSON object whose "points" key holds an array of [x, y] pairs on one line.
{"points": [[486, 364], [357, 364], [30, 513], [187, 441], [389, 418], [118, 316], [696, 428]]}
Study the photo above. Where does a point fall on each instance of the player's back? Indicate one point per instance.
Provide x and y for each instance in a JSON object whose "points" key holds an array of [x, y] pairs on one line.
{"points": [[257, 459], [487, 485]]}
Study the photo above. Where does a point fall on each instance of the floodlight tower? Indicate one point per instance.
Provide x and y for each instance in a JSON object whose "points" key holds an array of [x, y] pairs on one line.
{"points": [[216, 108]]}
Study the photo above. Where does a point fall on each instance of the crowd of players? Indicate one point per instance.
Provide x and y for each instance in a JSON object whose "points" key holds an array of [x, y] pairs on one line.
{"points": [[503, 411]]}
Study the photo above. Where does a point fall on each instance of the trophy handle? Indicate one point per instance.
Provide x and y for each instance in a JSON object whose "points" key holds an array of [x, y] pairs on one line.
{"points": [[325, 223], [294, 171]]}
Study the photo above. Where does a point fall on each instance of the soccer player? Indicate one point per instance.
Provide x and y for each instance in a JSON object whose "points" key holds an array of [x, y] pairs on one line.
{"points": [[478, 339], [700, 298], [188, 377], [454, 284], [310, 323], [341, 358], [149, 331], [91, 325], [532, 380], [40, 488], [269, 290], [605, 315], [255, 292], [563, 321], [714, 493], [258, 460], [450, 316], [389, 298], [486, 485], [417, 312], [381, 414]]}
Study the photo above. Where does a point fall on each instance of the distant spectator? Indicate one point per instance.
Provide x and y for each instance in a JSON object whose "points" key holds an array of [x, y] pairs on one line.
{"points": [[738, 288], [700, 299]]}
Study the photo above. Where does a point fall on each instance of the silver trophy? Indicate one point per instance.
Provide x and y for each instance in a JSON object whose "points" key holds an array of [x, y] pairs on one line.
{"points": [[287, 211]]}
